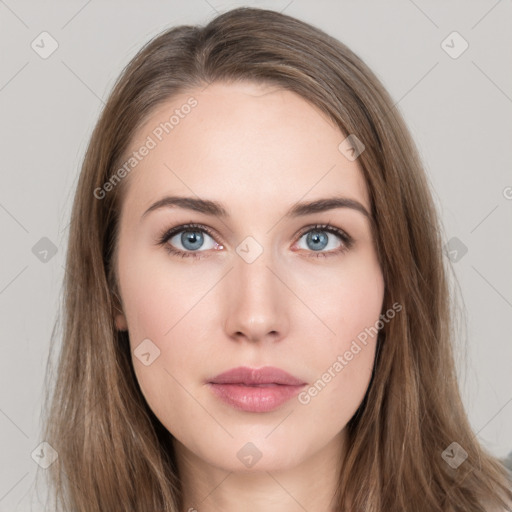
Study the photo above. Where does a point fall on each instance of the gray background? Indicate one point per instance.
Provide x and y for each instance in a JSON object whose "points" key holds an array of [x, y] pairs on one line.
{"points": [[458, 109]]}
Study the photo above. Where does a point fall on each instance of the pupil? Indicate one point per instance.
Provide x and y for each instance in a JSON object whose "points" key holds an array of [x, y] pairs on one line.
{"points": [[318, 237], [191, 240]]}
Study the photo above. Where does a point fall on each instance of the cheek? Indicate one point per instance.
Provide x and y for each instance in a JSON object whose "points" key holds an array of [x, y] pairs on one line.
{"points": [[342, 346], [347, 301], [156, 294], [344, 360], [359, 304], [162, 304]]}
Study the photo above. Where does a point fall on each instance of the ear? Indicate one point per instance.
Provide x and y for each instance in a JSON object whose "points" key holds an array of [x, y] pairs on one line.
{"points": [[120, 322], [119, 317]]}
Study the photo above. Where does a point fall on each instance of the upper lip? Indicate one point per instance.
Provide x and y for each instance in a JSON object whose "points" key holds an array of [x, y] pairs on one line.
{"points": [[251, 376]]}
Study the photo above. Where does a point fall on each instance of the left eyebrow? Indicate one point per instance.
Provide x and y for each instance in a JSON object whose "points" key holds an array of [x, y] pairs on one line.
{"points": [[322, 205], [216, 209]]}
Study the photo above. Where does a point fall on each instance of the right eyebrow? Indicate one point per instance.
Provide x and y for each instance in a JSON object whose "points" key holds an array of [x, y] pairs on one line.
{"points": [[205, 206]]}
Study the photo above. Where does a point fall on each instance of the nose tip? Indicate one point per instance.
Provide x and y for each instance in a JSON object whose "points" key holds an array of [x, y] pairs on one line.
{"points": [[256, 307]]}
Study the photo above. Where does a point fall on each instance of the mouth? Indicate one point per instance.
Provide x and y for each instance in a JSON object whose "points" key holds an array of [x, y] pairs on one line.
{"points": [[255, 390]]}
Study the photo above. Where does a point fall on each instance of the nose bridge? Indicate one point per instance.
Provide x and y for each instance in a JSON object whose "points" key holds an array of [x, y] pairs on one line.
{"points": [[257, 304]]}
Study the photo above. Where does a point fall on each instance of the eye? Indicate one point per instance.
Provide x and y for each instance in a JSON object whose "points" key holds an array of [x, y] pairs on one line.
{"points": [[188, 239], [320, 237]]}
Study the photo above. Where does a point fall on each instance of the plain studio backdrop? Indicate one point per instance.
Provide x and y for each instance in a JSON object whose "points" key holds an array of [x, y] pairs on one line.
{"points": [[447, 66]]}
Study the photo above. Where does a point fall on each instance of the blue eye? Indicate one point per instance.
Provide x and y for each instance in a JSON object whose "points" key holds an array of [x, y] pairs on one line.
{"points": [[192, 239], [317, 240]]}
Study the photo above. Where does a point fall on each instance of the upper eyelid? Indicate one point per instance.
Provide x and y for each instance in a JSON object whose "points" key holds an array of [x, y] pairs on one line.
{"points": [[187, 227], [341, 233]]}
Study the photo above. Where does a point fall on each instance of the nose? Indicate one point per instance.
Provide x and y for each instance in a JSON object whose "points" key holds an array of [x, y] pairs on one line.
{"points": [[256, 301]]}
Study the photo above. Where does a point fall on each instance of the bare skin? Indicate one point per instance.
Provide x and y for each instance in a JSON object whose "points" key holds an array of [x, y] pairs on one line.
{"points": [[258, 151]]}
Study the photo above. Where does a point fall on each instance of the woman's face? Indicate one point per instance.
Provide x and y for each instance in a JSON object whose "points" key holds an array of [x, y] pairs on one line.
{"points": [[262, 287]]}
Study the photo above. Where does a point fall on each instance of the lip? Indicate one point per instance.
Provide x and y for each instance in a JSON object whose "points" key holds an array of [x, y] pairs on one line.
{"points": [[255, 389]]}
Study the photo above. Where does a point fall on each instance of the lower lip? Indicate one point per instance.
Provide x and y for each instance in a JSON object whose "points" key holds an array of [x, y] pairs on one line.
{"points": [[255, 398]]}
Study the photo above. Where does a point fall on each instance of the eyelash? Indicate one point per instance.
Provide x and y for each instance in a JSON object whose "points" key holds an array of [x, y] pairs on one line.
{"points": [[346, 240]]}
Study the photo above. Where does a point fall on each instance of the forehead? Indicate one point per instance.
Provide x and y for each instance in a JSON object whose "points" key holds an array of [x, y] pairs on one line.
{"points": [[248, 145]]}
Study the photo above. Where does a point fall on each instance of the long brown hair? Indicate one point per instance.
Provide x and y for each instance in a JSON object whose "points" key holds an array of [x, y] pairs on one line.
{"points": [[113, 453]]}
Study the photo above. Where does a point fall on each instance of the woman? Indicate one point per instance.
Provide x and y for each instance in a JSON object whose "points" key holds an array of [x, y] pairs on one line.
{"points": [[257, 314]]}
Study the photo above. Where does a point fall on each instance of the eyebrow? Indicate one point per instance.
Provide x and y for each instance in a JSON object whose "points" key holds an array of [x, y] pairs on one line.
{"points": [[216, 209]]}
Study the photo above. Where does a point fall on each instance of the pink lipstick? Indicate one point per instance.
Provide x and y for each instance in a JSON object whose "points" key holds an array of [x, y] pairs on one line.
{"points": [[255, 390]]}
